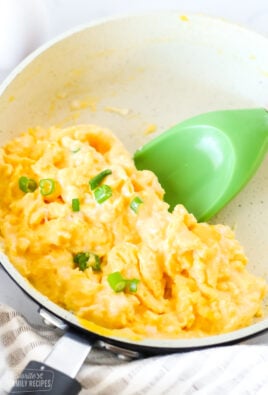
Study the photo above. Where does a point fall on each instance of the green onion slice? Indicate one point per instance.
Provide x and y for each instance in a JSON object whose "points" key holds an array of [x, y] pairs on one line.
{"points": [[133, 285], [81, 260], [47, 186], [135, 203], [75, 150], [119, 284], [75, 204], [84, 260], [103, 193], [27, 184], [95, 181], [94, 262]]}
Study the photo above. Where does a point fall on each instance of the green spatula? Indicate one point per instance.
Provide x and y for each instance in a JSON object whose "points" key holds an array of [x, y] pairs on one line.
{"points": [[205, 161]]}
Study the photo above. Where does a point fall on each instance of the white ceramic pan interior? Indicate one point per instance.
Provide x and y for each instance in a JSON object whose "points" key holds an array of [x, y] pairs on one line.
{"points": [[131, 73]]}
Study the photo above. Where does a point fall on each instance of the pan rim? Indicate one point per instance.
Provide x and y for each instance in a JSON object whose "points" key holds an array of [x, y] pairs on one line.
{"points": [[116, 18]]}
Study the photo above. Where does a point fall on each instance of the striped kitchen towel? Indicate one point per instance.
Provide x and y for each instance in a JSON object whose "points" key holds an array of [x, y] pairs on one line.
{"points": [[231, 370]]}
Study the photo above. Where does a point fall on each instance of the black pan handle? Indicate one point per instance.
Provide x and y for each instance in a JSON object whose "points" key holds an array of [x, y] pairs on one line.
{"points": [[56, 375], [39, 379]]}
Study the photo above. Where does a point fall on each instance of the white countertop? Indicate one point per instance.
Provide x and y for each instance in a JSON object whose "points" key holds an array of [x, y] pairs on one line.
{"points": [[61, 15]]}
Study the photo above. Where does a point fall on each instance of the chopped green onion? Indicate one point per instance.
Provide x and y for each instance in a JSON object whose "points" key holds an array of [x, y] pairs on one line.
{"points": [[133, 285], [47, 186], [95, 262], [75, 204], [81, 260], [119, 284], [27, 184], [135, 203], [75, 150], [95, 181], [103, 193], [84, 260]]}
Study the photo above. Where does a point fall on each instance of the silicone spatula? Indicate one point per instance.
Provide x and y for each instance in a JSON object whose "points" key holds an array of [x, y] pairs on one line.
{"points": [[205, 161]]}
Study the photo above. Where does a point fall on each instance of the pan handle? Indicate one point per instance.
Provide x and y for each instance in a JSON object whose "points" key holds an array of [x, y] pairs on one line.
{"points": [[38, 378], [57, 375]]}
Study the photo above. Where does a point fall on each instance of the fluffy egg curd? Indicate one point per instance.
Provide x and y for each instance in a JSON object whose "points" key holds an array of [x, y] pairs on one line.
{"points": [[93, 234]]}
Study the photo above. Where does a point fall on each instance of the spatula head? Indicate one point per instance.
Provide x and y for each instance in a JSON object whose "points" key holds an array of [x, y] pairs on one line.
{"points": [[204, 162]]}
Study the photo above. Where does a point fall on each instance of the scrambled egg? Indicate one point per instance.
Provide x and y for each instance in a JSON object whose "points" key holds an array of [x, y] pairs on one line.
{"points": [[93, 234]]}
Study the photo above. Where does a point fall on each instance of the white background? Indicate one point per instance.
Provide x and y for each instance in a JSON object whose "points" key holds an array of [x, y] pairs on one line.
{"points": [[25, 24]]}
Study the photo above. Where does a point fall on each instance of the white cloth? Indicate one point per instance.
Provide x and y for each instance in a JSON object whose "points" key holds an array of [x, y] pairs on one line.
{"points": [[231, 370]]}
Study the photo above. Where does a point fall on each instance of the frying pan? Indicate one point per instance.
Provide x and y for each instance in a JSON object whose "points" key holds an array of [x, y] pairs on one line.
{"points": [[128, 74]]}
